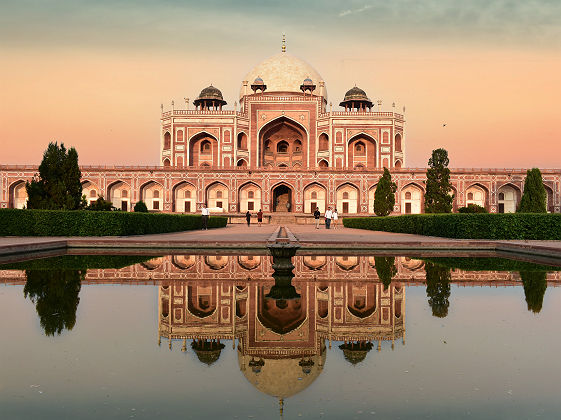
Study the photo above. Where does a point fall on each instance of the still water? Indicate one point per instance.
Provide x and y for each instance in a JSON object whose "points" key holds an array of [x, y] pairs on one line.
{"points": [[218, 336]]}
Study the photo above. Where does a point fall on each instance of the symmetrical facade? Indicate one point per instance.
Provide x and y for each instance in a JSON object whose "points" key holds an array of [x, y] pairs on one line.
{"points": [[282, 149]]}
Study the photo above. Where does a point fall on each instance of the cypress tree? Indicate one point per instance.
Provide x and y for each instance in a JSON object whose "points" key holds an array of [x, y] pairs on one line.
{"points": [[534, 197], [57, 186], [437, 197], [535, 284], [384, 197], [386, 269], [438, 288]]}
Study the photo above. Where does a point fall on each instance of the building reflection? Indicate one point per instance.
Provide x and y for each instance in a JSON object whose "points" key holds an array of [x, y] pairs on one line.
{"points": [[281, 341]]}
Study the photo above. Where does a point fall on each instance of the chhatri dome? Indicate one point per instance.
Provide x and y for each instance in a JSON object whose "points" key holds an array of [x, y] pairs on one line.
{"points": [[283, 73]]}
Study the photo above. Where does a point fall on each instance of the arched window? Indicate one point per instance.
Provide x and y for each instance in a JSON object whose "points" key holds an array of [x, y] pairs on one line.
{"points": [[218, 194], [408, 195], [323, 164], [93, 194], [360, 149], [345, 195], [398, 164], [250, 194], [314, 195], [167, 163], [242, 163], [297, 146], [205, 146], [398, 142], [167, 140], [282, 147], [187, 193], [323, 142], [156, 194], [124, 194], [501, 196], [470, 196]]}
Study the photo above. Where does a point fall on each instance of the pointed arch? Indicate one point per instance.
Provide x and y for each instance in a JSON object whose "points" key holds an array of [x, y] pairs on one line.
{"points": [[198, 152], [152, 193], [282, 197], [347, 198], [549, 203], [17, 195], [283, 129], [412, 198], [317, 200], [371, 197], [119, 192], [477, 193], [249, 197], [362, 151], [217, 196], [184, 197], [323, 164]]}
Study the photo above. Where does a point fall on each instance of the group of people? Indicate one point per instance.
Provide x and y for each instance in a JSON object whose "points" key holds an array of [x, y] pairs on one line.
{"points": [[330, 216], [259, 217]]}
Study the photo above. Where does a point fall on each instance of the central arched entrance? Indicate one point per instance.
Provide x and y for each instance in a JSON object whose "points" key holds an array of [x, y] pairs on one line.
{"points": [[282, 198]]}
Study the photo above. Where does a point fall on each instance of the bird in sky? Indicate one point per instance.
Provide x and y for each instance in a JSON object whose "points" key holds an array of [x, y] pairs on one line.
{"points": [[443, 125]]}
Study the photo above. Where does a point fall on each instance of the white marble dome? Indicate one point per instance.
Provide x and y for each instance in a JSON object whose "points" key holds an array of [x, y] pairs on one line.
{"points": [[283, 73]]}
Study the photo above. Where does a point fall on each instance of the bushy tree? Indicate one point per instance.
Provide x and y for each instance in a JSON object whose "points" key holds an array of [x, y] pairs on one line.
{"points": [[437, 197], [386, 269], [57, 186], [534, 197], [384, 197], [100, 205], [472, 208], [55, 295], [535, 284], [438, 288], [140, 207]]}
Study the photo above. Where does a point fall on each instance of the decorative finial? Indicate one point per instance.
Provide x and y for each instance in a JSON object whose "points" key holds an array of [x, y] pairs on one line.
{"points": [[281, 406], [283, 49]]}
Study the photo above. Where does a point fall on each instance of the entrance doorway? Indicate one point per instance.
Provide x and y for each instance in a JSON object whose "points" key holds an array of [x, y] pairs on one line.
{"points": [[282, 199]]}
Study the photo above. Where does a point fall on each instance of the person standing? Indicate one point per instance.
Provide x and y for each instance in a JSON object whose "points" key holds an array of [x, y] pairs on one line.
{"points": [[248, 218], [205, 213], [335, 217], [259, 217], [317, 215], [328, 217]]}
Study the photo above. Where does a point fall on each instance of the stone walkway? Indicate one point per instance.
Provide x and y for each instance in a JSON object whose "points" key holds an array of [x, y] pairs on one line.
{"points": [[237, 236]]}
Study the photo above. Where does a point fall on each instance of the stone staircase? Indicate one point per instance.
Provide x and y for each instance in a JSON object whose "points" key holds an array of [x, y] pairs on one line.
{"points": [[284, 218]]}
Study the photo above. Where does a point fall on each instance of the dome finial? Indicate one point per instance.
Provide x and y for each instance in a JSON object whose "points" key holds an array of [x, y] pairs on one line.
{"points": [[283, 49]]}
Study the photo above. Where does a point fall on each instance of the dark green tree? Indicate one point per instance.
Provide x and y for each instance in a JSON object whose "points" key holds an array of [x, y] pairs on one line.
{"points": [[534, 197], [438, 288], [472, 208], [140, 207], [55, 295], [57, 186], [535, 283], [100, 205], [384, 197], [437, 197], [386, 269]]}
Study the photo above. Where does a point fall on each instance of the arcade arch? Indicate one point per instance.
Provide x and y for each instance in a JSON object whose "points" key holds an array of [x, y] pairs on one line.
{"points": [[411, 199], [91, 191], [371, 197], [476, 194], [185, 198], [152, 193], [249, 197], [507, 198], [217, 197], [282, 198], [347, 199], [119, 194], [18, 195], [314, 196]]}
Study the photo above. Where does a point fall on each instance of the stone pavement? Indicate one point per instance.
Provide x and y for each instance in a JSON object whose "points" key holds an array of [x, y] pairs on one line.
{"points": [[236, 237]]}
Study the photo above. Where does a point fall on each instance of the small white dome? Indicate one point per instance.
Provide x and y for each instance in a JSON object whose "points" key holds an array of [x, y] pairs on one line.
{"points": [[283, 73]]}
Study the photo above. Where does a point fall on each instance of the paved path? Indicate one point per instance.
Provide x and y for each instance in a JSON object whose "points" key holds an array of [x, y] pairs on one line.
{"points": [[237, 236]]}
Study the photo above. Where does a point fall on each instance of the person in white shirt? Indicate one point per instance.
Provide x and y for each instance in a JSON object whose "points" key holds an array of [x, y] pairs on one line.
{"points": [[328, 217], [205, 213], [335, 217]]}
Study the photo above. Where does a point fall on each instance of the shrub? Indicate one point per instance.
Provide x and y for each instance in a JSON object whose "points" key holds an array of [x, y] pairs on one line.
{"points": [[140, 207], [100, 205], [472, 208], [16, 222], [468, 226]]}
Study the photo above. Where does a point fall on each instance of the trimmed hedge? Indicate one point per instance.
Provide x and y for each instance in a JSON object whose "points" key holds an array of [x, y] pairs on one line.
{"points": [[489, 264], [541, 226], [16, 222]]}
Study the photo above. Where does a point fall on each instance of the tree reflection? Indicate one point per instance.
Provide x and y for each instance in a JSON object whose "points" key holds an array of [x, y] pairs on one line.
{"points": [[55, 295], [438, 288], [386, 269], [535, 283]]}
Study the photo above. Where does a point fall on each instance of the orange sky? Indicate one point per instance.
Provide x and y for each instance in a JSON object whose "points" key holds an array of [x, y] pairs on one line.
{"points": [[499, 101]]}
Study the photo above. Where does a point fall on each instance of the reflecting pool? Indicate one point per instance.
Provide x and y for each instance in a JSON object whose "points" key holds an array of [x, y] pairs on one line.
{"points": [[255, 336]]}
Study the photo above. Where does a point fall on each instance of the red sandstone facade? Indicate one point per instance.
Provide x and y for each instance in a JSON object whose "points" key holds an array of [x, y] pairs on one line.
{"points": [[282, 149]]}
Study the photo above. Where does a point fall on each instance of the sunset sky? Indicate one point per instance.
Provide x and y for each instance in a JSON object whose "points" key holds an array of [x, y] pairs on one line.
{"points": [[92, 74]]}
